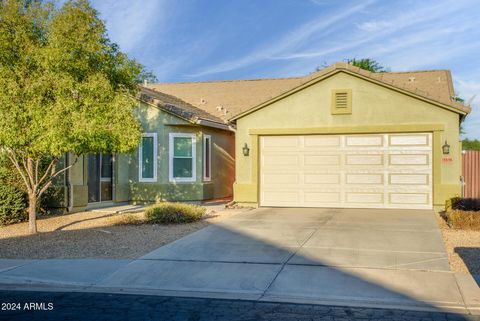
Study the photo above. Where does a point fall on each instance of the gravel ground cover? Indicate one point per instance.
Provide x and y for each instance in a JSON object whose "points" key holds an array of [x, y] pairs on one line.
{"points": [[463, 248], [92, 235]]}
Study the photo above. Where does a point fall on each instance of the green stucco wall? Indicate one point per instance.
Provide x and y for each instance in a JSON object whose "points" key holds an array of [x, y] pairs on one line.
{"points": [[374, 107], [127, 187]]}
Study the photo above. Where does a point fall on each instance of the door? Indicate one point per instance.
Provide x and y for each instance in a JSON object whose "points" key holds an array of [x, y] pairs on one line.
{"points": [[100, 178], [347, 171]]}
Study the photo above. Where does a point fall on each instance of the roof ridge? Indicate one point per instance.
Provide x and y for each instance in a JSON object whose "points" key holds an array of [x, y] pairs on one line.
{"points": [[227, 80], [414, 71]]}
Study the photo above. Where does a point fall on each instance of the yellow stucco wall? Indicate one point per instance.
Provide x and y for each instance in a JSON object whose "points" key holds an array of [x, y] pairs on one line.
{"points": [[374, 109]]}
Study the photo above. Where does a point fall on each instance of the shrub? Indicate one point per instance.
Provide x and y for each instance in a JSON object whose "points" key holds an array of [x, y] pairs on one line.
{"points": [[13, 204], [451, 202], [174, 213], [464, 219], [467, 204], [13, 200], [126, 219]]}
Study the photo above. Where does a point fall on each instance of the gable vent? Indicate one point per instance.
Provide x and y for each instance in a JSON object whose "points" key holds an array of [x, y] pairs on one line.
{"points": [[341, 100], [341, 103]]}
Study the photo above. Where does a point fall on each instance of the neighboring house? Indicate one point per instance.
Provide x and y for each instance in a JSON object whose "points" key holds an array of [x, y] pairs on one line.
{"points": [[340, 137]]}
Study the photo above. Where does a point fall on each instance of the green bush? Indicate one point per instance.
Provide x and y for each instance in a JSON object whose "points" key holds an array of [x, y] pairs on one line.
{"points": [[451, 202], [173, 213], [13, 204], [13, 200]]}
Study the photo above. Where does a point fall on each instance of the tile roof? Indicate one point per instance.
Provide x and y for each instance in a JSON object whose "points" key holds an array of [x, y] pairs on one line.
{"points": [[226, 99], [176, 106]]}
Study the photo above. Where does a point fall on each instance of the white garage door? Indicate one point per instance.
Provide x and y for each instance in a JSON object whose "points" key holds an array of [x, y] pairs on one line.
{"points": [[356, 171]]}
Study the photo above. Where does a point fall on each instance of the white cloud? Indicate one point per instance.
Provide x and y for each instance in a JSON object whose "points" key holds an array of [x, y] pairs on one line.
{"points": [[288, 42], [374, 26], [130, 22]]}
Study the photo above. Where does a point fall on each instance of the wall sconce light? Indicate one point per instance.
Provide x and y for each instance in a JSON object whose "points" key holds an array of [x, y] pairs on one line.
{"points": [[446, 148], [246, 150]]}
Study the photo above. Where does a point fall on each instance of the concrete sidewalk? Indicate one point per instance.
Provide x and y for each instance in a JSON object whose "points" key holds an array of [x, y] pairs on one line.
{"points": [[261, 282], [392, 259]]}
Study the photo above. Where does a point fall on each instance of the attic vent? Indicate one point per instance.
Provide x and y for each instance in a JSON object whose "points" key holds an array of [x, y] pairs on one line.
{"points": [[341, 101]]}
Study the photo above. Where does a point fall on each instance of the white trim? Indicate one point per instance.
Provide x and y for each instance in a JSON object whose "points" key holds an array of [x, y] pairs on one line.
{"points": [[209, 178], [155, 159], [172, 179]]}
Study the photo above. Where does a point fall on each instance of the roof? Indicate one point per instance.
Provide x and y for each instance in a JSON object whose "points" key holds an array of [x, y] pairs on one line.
{"points": [[226, 100], [180, 108]]}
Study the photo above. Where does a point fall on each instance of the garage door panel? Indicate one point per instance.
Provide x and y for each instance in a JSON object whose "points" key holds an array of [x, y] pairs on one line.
{"points": [[409, 198], [409, 179], [364, 141], [281, 178], [364, 179], [360, 198], [408, 159], [332, 160], [321, 141], [280, 143], [280, 196], [365, 159], [409, 140], [371, 171], [281, 160], [321, 197], [310, 178]]}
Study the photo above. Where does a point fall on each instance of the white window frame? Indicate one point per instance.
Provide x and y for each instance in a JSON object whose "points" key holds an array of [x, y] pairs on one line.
{"points": [[155, 159], [205, 178], [171, 138]]}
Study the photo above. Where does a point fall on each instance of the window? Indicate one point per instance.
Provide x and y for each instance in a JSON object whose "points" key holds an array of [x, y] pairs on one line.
{"points": [[147, 158], [207, 158], [182, 158], [341, 101], [106, 167]]}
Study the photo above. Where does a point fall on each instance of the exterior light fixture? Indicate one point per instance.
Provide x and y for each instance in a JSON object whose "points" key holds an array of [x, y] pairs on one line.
{"points": [[446, 148], [246, 150]]}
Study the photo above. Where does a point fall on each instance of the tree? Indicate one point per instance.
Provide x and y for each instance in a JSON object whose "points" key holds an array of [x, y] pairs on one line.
{"points": [[364, 63], [367, 64], [64, 88], [473, 144]]}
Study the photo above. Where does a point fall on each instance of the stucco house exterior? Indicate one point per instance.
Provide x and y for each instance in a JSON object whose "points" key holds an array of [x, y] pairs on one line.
{"points": [[185, 154], [340, 137]]}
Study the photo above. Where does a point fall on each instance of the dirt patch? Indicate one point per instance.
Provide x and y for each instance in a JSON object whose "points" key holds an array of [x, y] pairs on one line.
{"points": [[463, 248], [92, 235]]}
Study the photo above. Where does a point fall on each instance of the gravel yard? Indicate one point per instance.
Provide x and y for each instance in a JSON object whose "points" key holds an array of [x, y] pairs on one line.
{"points": [[463, 248], [92, 235]]}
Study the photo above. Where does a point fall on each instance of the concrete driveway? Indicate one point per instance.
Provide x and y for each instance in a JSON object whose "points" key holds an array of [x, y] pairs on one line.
{"points": [[386, 257]]}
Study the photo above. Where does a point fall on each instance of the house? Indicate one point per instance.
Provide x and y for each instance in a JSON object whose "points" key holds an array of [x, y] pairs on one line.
{"points": [[340, 137], [185, 154]]}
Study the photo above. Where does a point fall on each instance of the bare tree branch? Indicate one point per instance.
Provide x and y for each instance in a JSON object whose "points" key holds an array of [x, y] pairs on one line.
{"points": [[13, 158], [47, 171], [37, 162], [55, 174], [25, 166]]}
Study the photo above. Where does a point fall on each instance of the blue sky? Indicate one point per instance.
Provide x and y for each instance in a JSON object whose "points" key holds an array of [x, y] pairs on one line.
{"points": [[192, 40]]}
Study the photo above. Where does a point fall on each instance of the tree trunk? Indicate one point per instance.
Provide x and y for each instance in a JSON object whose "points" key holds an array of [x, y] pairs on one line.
{"points": [[32, 213]]}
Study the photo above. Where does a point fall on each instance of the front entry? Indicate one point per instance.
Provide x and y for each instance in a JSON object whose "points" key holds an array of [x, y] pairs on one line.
{"points": [[100, 178]]}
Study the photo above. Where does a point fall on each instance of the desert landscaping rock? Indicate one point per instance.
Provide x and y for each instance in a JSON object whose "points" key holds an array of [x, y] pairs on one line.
{"points": [[92, 234]]}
